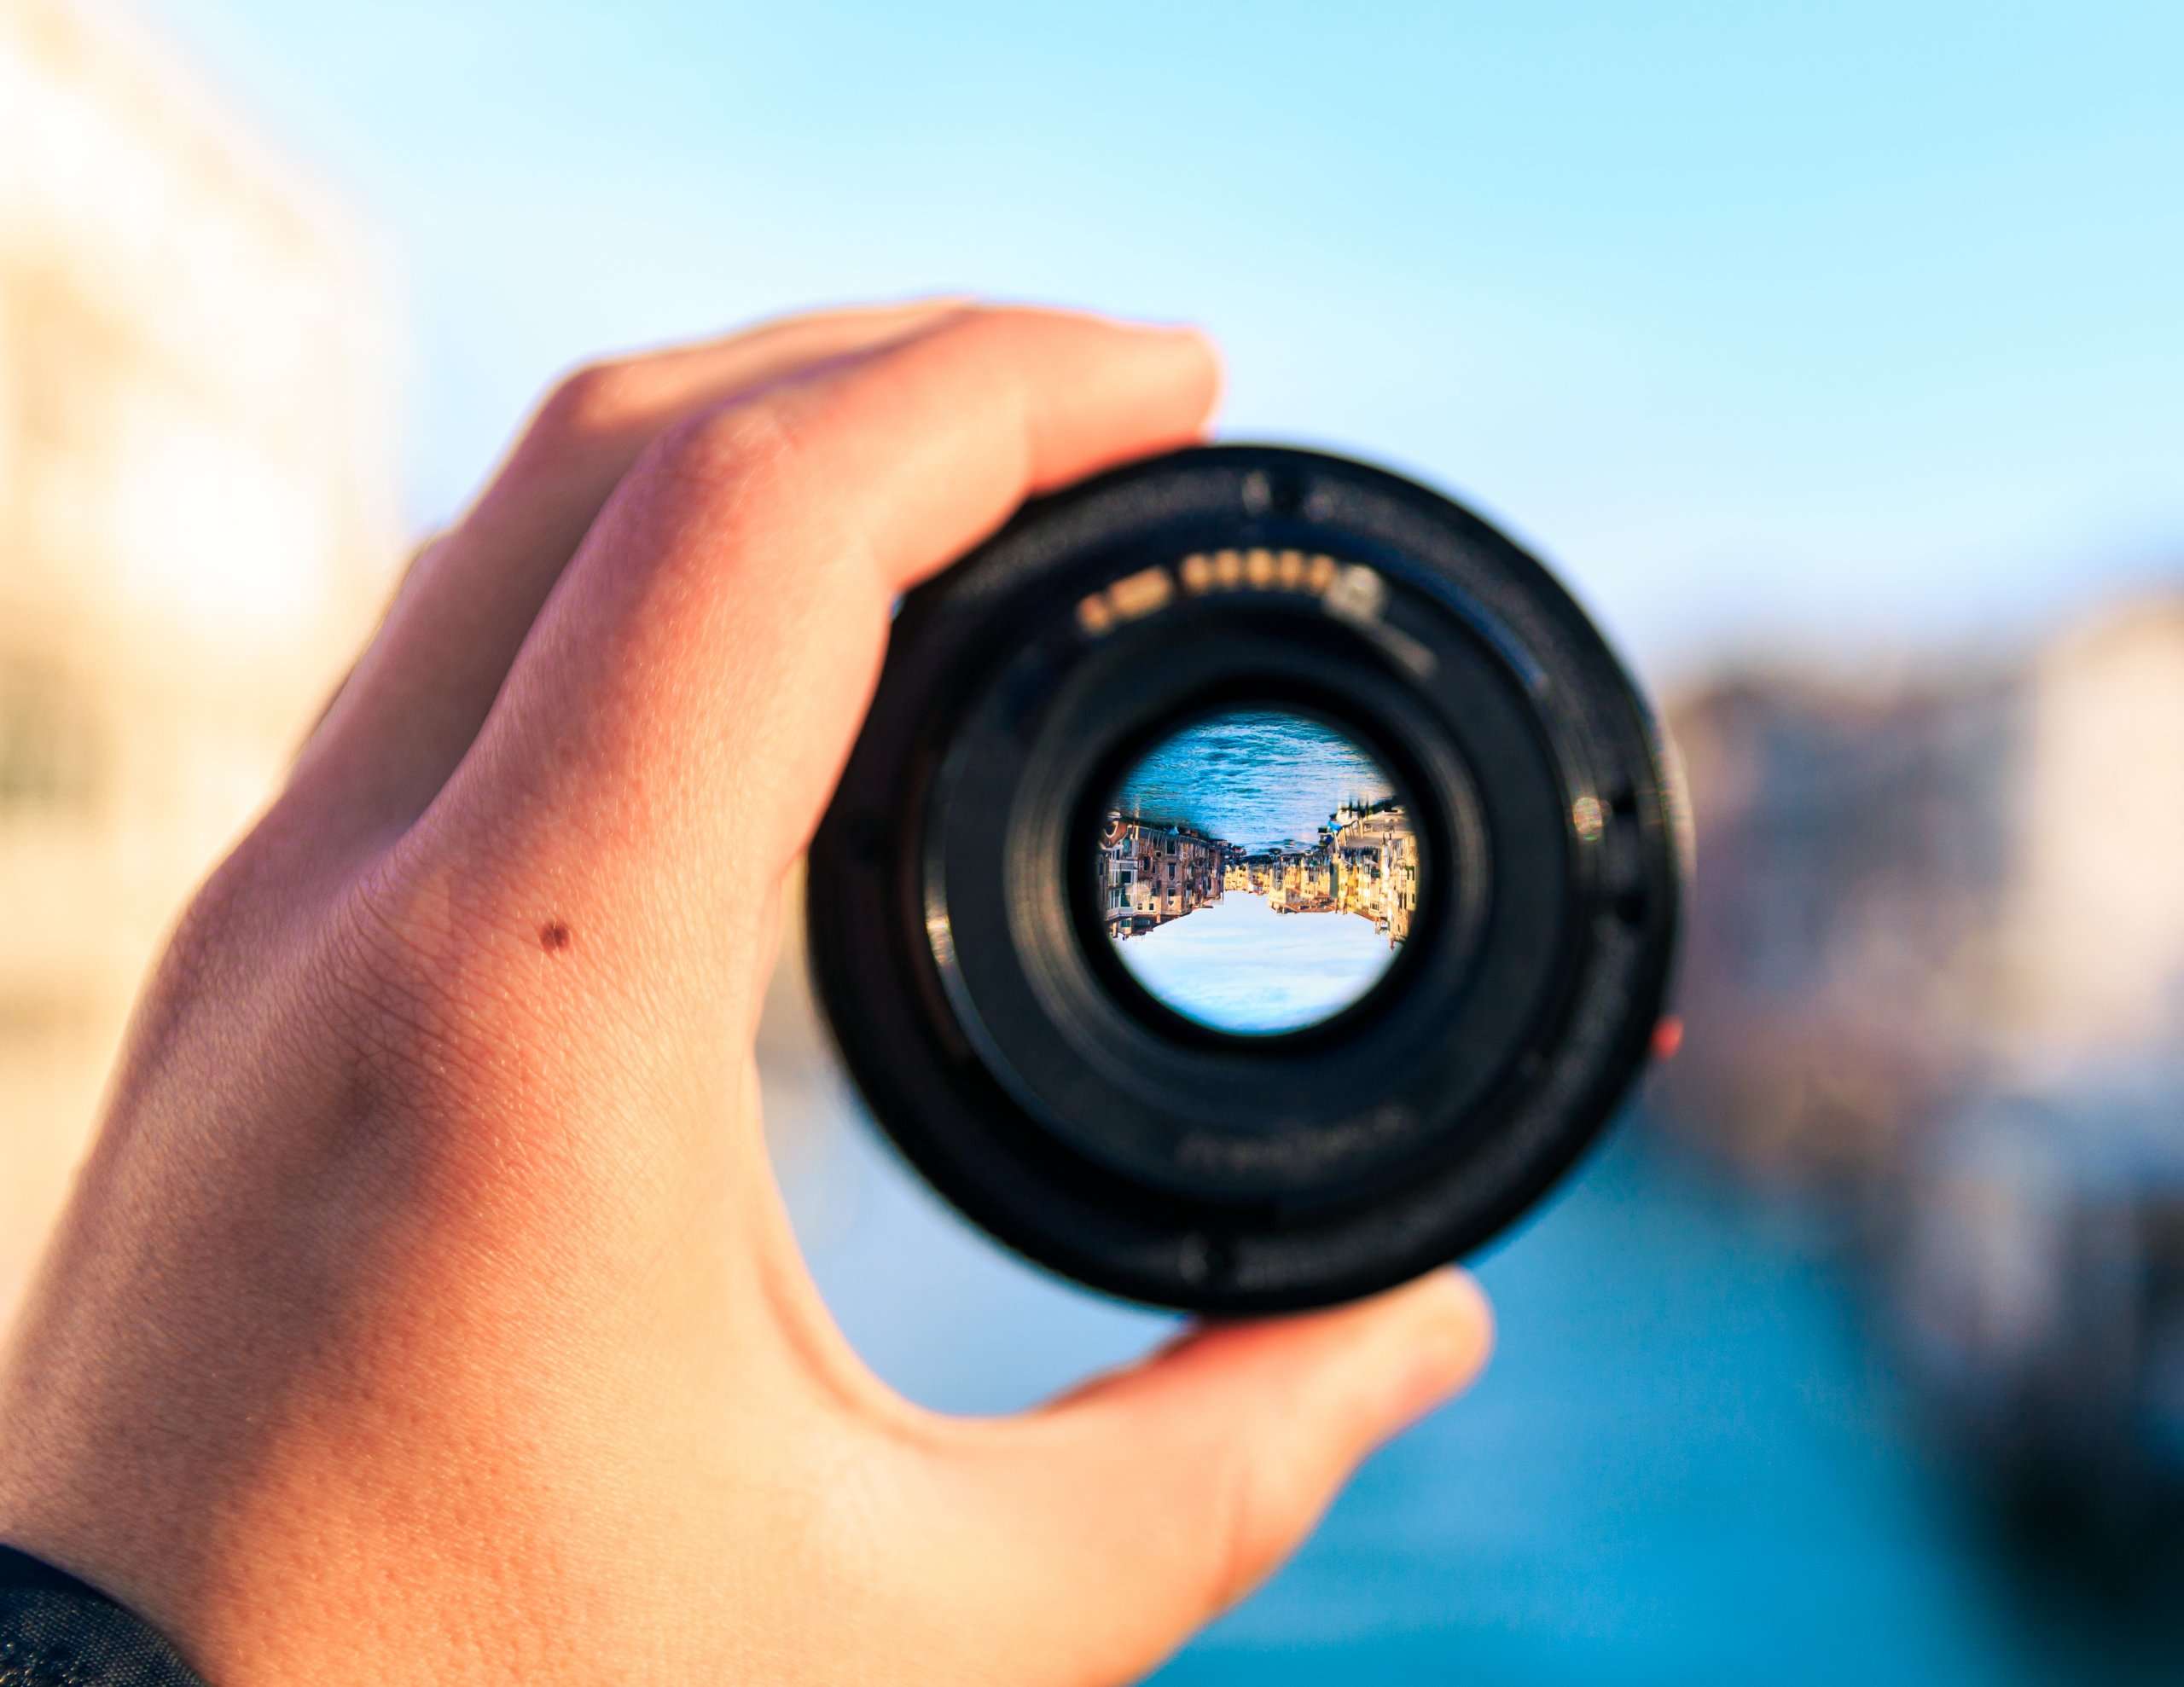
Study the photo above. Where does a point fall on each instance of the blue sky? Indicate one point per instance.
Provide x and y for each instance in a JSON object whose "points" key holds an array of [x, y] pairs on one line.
{"points": [[1800, 327], [1238, 966]]}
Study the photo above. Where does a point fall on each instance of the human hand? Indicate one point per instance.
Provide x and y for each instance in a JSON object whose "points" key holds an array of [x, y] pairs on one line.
{"points": [[425, 1310]]}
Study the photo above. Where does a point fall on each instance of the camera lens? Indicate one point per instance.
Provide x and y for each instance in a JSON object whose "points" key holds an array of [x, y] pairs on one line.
{"points": [[1257, 870], [1255, 883]]}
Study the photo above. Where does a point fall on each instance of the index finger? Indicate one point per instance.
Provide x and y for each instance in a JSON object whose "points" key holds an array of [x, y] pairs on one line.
{"points": [[684, 705]]}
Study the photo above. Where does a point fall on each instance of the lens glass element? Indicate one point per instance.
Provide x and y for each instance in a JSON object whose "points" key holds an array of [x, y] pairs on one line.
{"points": [[1258, 870]]}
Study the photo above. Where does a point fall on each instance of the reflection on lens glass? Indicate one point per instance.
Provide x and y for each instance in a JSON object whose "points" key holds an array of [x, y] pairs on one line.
{"points": [[1258, 870]]}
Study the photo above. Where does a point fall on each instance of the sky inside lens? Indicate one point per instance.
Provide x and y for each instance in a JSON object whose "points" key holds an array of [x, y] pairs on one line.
{"points": [[1240, 966]]}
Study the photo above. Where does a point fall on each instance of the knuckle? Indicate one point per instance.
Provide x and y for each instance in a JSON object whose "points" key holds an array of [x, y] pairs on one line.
{"points": [[732, 440], [206, 961], [591, 400], [998, 339], [734, 456], [999, 326], [251, 908]]}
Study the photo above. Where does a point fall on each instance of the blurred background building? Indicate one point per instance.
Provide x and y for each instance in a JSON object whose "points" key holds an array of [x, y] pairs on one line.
{"points": [[1833, 352], [1968, 877], [1935, 989], [197, 517]]}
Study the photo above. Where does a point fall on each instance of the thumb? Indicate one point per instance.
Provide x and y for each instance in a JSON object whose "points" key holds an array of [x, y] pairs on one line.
{"points": [[1163, 1493]]}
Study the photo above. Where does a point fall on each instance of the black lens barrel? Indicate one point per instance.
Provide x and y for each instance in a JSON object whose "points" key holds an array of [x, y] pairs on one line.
{"points": [[958, 950]]}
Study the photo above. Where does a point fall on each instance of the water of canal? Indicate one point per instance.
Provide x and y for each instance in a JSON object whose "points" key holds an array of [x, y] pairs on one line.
{"points": [[1684, 1466]]}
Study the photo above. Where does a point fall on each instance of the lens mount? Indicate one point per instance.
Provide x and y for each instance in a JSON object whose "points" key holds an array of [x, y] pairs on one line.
{"points": [[955, 933]]}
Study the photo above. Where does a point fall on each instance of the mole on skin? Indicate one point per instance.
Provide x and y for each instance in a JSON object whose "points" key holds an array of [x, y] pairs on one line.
{"points": [[553, 936]]}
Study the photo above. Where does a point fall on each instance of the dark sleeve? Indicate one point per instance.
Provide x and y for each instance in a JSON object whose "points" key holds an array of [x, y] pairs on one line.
{"points": [[57, 1631]]}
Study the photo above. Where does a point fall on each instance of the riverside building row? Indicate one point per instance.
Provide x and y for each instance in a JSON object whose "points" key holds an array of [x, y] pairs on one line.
{"points": [[1363, 863], [1151, 872]]}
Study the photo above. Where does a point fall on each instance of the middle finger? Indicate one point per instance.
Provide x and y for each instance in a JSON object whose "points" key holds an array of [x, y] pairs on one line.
{"points": [[417, 696]]}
